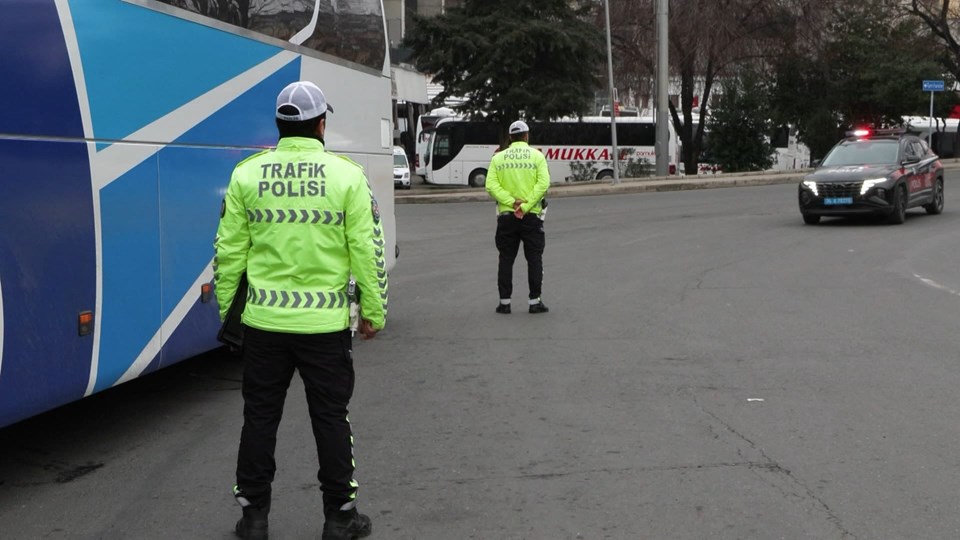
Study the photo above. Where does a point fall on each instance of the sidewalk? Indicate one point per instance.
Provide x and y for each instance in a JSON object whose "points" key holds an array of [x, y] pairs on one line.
{"points": [[627, 185]]}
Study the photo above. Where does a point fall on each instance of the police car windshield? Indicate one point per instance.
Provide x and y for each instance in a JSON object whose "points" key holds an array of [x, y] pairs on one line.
{"points": [[875, 152]]}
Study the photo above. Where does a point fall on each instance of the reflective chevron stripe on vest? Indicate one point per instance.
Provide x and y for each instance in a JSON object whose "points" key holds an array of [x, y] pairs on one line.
{"points": [[297, 299], [280, 215]]}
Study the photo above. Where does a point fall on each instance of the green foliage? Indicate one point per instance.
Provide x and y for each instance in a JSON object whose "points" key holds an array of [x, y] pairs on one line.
{"points": [[583, 171], [739, 127], [867, 70], [510, 58], [822, 132]]}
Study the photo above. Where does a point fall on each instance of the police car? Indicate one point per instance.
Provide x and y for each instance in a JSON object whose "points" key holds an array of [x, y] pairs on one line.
{"points": [[401, 169], [882, 172]]}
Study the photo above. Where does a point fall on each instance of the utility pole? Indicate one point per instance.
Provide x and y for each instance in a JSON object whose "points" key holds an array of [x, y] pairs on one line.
{"points": [[613, 111], [663, 89]]}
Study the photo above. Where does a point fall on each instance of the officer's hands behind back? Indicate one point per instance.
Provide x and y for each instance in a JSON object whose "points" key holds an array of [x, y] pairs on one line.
{"points": [[516, 208], [367, 331]]}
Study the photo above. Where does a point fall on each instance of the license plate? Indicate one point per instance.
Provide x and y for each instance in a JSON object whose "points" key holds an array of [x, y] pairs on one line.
{"points": [[837, 200]]}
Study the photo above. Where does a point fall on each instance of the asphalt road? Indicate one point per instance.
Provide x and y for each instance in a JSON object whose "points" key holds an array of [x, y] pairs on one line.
{"points": [[710, 368]]}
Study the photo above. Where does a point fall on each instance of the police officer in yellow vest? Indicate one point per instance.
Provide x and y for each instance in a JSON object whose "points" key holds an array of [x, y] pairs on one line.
{"points": [[518, 179], [299, 220]]}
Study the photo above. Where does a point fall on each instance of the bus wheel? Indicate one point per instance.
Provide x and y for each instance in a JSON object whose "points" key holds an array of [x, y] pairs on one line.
{"points": [[605, 174], [478, 178]]}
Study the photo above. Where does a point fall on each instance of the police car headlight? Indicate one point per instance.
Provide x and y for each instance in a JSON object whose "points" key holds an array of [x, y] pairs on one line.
{"points": [[811, 185], [868, 185], [406, 176]]}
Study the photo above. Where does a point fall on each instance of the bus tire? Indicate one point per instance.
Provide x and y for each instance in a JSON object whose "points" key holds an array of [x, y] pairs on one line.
{"points": [[605, 174], [478, 178]]}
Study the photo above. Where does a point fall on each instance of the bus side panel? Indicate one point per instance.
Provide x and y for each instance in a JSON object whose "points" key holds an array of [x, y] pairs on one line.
{"points": [[142, 64], [192, 185], [48, 271], [130, 224], [37, 95], [47, 242]]}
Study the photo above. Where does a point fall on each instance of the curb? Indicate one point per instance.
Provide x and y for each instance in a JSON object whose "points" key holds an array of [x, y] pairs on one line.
{"points": [[657, 184], [600, 188]]}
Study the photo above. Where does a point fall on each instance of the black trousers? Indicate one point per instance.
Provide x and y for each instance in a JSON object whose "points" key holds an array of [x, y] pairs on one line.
{"points": [[326, 367], [511, 232]]}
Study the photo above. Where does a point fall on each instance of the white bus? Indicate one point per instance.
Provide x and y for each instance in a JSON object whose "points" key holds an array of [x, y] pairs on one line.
{"points": [[426, 123], [576, 150]]}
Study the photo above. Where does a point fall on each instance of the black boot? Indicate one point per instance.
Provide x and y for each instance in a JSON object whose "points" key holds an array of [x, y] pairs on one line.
{"points": [[346, 525], [503, 308], [538, 308], [253, 524]]}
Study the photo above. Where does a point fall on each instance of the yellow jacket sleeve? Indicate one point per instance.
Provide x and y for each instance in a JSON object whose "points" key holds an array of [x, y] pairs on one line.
{"points": [[231, 246], [495, 187], [366, 246], [541, 186]]}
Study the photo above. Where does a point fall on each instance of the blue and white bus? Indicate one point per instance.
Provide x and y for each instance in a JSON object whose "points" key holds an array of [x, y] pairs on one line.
{"points": [[120, 123]]}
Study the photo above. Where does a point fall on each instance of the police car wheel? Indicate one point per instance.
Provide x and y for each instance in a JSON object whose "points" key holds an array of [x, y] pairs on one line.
{"points": [[811, 220], [899, 213], [936, 204]]}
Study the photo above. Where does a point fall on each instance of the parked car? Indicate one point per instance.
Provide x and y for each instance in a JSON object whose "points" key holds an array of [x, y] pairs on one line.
{"points": [[881, 172], [401, 169]]}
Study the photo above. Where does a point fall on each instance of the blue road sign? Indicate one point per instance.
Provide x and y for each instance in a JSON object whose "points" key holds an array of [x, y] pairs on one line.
{"points": [[933, 86]]}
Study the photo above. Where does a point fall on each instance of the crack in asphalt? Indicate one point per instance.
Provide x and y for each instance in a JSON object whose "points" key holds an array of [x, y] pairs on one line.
{"points": [[65, 472], [773, 466], [609, 470]]}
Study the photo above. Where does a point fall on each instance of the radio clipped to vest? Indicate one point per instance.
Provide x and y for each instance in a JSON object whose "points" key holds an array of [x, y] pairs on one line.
{"points": [[354, 306]]}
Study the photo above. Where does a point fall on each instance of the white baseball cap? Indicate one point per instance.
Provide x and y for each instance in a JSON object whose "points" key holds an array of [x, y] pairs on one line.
{"points": [[518, 127], [306, 98]]}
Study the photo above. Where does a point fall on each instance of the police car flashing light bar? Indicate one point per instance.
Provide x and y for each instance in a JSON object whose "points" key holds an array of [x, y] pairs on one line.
{"points": [[866, 133]]}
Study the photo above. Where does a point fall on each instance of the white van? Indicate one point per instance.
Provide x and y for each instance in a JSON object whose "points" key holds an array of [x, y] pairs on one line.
{"points": [[401, 169]]}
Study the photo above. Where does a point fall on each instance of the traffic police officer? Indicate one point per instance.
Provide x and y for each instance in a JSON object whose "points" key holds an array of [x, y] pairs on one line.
{"points": [[518, 179], [299, 220]]}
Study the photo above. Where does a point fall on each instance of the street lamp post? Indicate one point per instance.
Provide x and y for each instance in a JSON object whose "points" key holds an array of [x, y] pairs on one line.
{"points": [[663, 133], [613, 112]]}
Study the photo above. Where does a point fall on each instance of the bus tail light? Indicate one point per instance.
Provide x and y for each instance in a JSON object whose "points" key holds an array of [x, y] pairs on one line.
{"points": [[85, 323], [672, 169]]}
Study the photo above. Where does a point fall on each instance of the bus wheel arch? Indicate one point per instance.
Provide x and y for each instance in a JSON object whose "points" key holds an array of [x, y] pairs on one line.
{"points": [[605, 174], [477, 178]]}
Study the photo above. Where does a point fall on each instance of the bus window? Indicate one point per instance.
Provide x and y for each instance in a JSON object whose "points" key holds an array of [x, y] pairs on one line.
{"points": [[352, 30], [440, 148]]}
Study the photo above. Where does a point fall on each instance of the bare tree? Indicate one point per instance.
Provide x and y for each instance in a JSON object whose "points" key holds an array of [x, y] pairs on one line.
{"points": [[707, 39], [943, 19]]}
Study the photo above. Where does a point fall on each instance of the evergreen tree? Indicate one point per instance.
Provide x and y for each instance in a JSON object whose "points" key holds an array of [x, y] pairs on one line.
{"points": [[536, 59], [739, 127]]}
